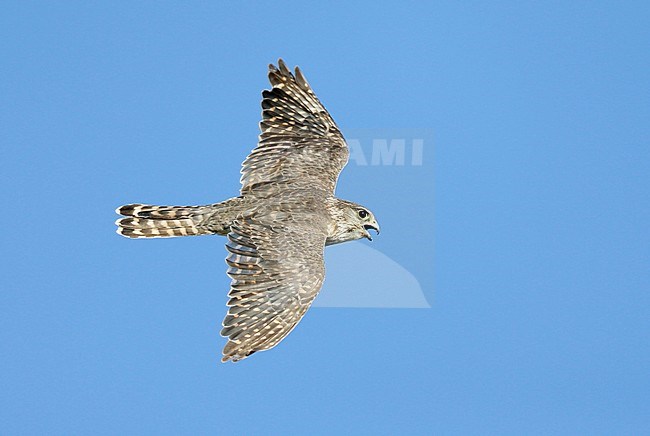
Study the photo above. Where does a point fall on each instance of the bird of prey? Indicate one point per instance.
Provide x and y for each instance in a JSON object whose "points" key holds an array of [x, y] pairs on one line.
{"points": [[279, 225]]}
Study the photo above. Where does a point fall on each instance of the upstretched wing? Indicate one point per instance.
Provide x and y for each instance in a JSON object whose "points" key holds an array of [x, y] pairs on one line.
{"points": [[277, 269], [300, 145]]}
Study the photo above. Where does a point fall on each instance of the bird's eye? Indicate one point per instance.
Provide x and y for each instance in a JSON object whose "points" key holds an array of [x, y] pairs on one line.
{"points": [[363, 213]]}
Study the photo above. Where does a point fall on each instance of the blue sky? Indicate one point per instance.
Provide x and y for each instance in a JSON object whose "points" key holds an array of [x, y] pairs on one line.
{"points": [[526, 226]]}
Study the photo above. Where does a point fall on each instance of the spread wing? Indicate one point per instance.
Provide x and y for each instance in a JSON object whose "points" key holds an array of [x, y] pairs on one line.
{"points": [[300, 145], [277, 269]]}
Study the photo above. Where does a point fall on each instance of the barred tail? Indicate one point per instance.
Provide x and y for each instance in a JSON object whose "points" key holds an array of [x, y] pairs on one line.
{"points": [[147, 221]]}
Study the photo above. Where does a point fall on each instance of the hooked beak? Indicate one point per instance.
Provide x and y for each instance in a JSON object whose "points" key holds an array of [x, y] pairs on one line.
{"points": [[374, 226]]}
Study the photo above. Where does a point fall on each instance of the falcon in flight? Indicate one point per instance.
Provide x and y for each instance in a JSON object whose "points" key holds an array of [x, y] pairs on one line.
{"points": [[279, 225]]}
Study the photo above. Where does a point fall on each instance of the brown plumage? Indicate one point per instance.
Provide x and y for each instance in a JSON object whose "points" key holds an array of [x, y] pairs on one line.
{"points": [[280, 224]]}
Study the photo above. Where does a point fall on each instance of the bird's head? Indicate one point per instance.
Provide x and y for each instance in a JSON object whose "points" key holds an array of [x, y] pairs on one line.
{"points": [[353, 222]]}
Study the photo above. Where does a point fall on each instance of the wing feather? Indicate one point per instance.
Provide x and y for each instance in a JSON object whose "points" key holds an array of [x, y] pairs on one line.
{"points": [[299, 145], [276, 274]]}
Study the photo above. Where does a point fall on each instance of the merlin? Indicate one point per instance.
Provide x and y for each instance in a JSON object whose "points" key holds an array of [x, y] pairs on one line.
{"points": [[279, 225]]}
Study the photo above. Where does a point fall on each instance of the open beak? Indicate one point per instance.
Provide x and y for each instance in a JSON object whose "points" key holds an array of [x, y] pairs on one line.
{"points": [[374, 226]]}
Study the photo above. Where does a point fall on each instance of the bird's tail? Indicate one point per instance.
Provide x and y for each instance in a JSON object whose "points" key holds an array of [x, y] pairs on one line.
{"points": [[148, 221]]}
